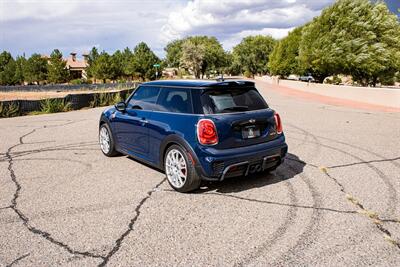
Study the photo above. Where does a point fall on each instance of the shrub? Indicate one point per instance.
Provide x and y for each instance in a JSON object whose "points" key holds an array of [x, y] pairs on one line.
{"points": [[387, 80], [81, 81], [248, 74], [104, 99], [333, 80], [54, 105], [76, 81], [117, 98], [9, 110]]}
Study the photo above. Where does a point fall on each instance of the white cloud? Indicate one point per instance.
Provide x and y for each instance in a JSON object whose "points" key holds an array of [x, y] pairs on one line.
{"points": [[42, 25], [77, 25], [230, 19], [46, 10], [234, 39]]}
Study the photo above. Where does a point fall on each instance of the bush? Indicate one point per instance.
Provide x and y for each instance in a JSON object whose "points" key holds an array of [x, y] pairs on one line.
{"points": [[117, 98], [105, 99], [81, 81], [9, 110], [387, 80], [54, 105], [76, 81], [248, 74]]}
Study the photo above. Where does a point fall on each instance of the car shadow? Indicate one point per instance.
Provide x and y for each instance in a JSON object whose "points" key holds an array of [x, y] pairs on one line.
{"points": [[291, 167]]}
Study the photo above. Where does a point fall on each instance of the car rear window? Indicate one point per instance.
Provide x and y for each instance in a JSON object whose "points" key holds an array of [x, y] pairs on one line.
{"points": [[216, 101]]}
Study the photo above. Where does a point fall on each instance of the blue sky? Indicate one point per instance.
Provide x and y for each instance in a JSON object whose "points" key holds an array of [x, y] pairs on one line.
{"points": [[28, 26]]}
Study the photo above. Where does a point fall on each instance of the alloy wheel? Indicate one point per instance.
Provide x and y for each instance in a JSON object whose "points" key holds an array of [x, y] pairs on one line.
{"points": [[176, 169], [104, 139]]}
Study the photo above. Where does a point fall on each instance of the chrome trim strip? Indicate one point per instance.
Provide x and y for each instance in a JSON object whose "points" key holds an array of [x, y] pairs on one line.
{"points": [[230, 166], [268, 157]]}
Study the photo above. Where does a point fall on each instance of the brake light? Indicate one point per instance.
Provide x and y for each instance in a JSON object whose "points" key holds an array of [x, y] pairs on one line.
{"points": [[278, 123], [207, 132]]}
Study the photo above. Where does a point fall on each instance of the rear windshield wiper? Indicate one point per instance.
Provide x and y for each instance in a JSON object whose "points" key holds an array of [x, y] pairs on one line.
{"points": [[236, 108]]}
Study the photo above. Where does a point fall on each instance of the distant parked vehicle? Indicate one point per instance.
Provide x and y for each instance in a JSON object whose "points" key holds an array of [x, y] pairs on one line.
{"points": [[307, 78], [293, 77]]}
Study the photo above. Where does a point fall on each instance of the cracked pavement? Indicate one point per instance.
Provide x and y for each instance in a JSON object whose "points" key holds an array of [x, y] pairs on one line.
{"points": [[335, 200]]}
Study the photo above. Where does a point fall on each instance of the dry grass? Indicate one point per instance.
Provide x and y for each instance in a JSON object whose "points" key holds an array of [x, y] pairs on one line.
{"points": [[352, 199], [6, 96], [323, 169], [390, 239], [371, 214]]}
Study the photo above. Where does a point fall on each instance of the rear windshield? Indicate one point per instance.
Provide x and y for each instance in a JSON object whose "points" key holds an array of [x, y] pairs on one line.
{"points": [[216, 101]]}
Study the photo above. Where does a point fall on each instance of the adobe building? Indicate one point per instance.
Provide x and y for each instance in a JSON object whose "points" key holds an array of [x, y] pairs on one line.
{"points": [[76, 67]]}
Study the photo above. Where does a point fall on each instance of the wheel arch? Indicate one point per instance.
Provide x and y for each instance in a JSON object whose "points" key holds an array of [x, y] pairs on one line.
{"points": [[103, 119], [175, 139]]}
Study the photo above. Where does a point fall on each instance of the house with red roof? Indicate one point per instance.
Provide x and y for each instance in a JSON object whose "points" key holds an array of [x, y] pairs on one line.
{"points": [[77, 67]]}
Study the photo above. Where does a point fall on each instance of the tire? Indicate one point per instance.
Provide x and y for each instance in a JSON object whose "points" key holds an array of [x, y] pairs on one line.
{"points": [[110, 151], [173, 160]]}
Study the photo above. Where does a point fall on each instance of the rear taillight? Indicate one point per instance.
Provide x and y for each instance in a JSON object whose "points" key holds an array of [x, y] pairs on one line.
{"points": [[278, 123], [207, 132]]}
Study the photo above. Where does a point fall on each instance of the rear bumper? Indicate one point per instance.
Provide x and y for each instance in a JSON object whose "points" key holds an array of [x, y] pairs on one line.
{"points": [[217, 165]]}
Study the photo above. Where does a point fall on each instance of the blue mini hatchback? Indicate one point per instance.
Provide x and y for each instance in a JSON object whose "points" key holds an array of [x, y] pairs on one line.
{"points": [[195, 130]]}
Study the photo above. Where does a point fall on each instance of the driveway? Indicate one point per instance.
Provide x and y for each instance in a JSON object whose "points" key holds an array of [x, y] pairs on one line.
{"points": [[335, 200]]}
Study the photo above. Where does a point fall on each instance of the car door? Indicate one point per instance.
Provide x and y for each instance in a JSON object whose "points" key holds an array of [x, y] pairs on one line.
{"points": [[131, 126]]}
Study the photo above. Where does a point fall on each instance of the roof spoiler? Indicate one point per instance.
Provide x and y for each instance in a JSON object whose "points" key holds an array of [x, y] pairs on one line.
{"points": [[232, 84]]}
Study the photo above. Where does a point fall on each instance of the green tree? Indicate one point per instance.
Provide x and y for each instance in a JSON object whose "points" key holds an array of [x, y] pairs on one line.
{"points": [[173, 52], [100, 68], [127, 63], [356, 37], [215, 56], [193, 54], [57, 68], [7, 69], [143, 61], [284, 59], [209, 55], [19, 70], [253, 52], [35, 69], [92, 57], [116, 66]]}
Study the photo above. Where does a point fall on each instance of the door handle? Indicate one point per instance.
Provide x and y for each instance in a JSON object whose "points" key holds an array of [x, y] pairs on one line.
{"points": [[143, 121]]}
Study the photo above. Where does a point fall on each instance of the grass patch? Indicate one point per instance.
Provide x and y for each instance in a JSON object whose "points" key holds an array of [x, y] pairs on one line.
{"points": [[352, 199], [54, 105], [371, 214], [105, 99], [390, 239], [9, 110], [323, 169]]}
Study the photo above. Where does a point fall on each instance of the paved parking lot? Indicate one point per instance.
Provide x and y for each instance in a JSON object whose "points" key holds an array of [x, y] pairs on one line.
{"points": [[335, 200]]}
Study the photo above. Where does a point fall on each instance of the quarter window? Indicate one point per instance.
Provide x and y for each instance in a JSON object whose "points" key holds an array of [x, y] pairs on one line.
{"points": [[175, 100]]}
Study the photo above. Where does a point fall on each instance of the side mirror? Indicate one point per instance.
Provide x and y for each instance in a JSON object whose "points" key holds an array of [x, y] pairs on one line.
{"points": [[120, 106]]}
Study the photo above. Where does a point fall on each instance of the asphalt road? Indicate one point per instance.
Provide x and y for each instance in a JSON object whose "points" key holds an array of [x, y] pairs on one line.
{"points": [[334, 202]]}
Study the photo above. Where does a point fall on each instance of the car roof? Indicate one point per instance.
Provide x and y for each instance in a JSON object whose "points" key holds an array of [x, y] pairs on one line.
{"points": [[201, 84]]}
